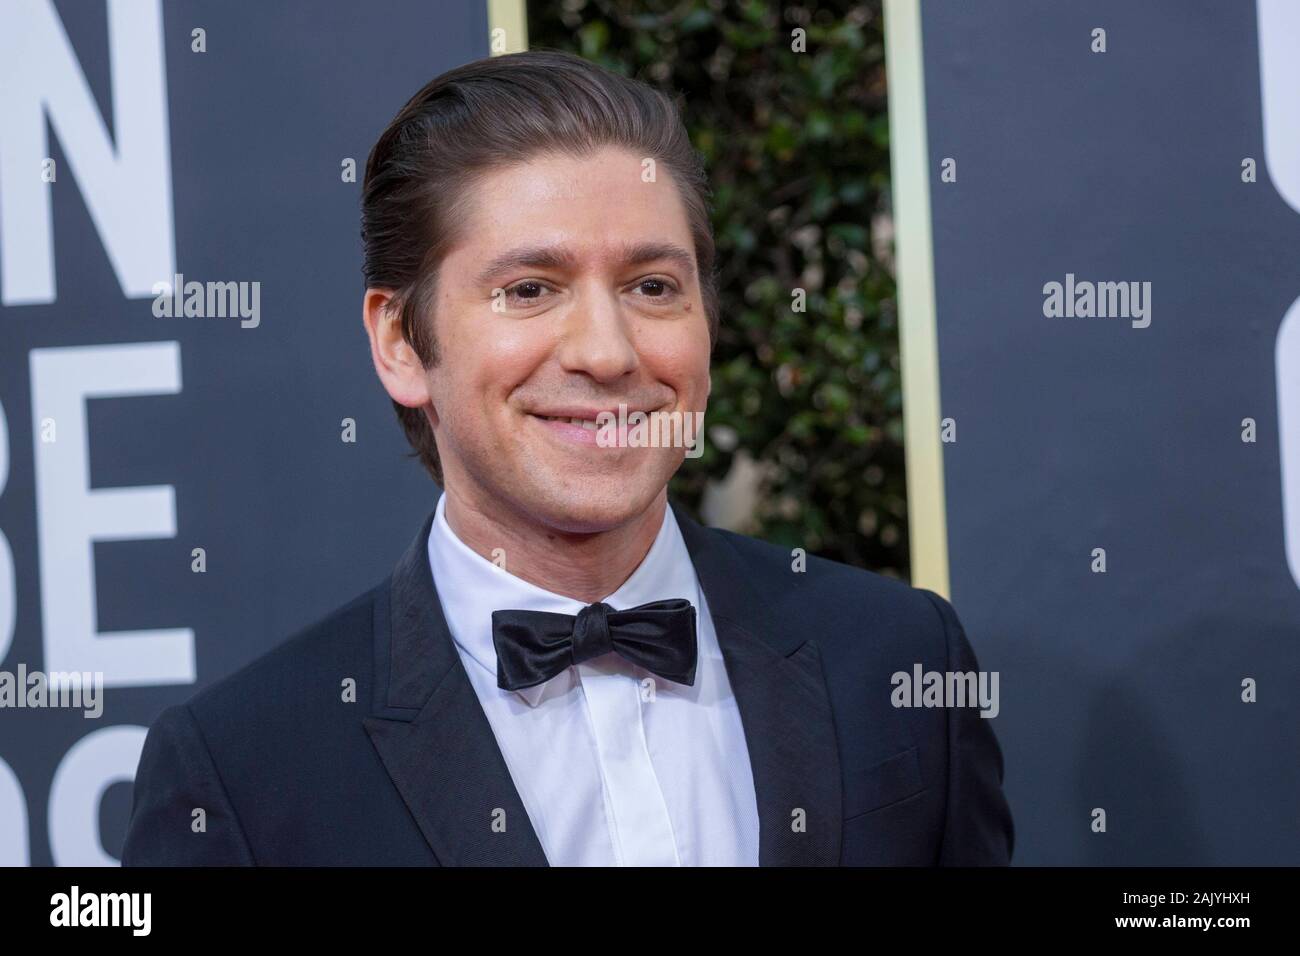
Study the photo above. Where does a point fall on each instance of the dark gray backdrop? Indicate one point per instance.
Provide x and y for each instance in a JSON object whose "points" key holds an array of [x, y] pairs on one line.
{"points": [[1119, 690], [294, 521]]}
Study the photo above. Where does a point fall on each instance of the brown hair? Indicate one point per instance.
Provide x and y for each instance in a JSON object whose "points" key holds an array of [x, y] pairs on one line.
{"points": [[485, 115]]}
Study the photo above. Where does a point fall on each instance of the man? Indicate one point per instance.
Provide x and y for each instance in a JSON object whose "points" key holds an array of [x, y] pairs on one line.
{"points": [[563, 668]]}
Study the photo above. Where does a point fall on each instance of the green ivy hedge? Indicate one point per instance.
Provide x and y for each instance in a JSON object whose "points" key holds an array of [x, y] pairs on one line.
{"points": [[797, 145]]}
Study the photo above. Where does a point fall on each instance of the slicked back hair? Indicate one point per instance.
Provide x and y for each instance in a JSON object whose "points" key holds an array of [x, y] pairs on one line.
{"points": [[484, 116]]}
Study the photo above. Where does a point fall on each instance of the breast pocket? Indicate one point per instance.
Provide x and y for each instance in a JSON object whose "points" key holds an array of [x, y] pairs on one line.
{"points": [[890, 781]]}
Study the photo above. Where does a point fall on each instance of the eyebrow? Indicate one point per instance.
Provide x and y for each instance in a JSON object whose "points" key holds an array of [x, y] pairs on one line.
{"points": [[559, 257]]}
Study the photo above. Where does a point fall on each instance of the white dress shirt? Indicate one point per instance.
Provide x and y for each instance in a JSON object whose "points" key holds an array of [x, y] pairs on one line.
{"points": [[615, 766]]}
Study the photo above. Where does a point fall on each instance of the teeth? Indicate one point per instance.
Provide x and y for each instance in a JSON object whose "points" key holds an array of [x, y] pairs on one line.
{"points": [[586, 423]]}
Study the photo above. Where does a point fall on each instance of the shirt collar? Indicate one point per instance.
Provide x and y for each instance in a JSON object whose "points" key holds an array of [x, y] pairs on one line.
{"points": [[470, 587]]}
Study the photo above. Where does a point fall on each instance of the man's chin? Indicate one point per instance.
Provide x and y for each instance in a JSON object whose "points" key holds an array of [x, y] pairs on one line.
{"points": [[591, 507]]}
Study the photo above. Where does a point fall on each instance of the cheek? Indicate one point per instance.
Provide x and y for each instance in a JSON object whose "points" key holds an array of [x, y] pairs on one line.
{"points": [[697, 378], [488, 361], [682, 361]]}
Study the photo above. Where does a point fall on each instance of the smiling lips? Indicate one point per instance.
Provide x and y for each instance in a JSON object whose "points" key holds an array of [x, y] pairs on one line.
{"points": [[589, 423], [572, 430], [576, 425]]}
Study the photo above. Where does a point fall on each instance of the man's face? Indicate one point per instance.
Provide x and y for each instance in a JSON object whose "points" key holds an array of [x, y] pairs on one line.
{"points": [[593, 311]]}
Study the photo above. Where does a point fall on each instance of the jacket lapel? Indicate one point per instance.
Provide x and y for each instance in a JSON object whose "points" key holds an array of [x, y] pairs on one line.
{"points": [[431, 732], [776, 675], [437, 745]]}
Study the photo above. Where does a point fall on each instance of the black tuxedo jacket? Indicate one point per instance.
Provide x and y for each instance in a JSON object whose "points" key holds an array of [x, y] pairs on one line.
{"points": [[289, 772]]}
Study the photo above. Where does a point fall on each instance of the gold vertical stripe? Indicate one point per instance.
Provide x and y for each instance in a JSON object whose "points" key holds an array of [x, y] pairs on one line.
{"points": [[512, 17], [914, 262]]}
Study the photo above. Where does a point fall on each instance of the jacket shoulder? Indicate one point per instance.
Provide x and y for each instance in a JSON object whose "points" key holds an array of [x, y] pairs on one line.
{"points": [[848, 607], [254, 749], [302, 675]]}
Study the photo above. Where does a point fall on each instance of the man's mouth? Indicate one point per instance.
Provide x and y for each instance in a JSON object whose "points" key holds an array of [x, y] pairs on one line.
{"points": [[588, 423], [581, 425]]}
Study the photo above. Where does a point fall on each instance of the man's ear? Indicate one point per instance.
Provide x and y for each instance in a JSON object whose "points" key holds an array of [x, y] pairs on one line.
{"points": [[398, 367]]}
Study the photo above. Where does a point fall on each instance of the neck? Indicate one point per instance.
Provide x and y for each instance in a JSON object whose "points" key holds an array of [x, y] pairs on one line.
{"points": [[585, 567]]}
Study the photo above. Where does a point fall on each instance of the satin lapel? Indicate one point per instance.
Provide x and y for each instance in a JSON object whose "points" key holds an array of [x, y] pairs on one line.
{"points": [[431, 732], [776, 676]]}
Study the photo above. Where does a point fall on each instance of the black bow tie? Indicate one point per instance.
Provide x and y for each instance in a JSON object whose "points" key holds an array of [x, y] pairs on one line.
{"points": [[534, 646]]}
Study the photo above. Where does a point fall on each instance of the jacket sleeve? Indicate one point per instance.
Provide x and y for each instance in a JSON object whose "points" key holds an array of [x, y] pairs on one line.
{"points": [[978, 829], [176, 778]]}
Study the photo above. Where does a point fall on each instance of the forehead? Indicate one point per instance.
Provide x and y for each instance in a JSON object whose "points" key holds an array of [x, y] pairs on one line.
{"points": [[595, 204]]}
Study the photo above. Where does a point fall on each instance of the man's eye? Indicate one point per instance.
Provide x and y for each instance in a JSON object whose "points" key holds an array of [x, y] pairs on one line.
{"points": [[656, 288], [528, 291]]}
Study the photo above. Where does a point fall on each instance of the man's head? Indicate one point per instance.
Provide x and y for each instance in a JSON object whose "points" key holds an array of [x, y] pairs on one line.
{"points": [[538, 246]]}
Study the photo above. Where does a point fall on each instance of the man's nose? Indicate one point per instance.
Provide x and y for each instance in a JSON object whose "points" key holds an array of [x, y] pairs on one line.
{"points": [[597, 339]]}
